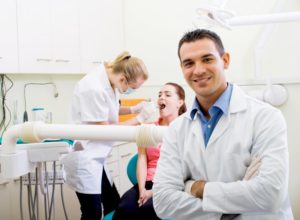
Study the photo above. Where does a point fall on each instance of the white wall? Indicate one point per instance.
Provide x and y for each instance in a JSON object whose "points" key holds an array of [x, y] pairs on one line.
{"points": [[152, 31], [43, 95]]}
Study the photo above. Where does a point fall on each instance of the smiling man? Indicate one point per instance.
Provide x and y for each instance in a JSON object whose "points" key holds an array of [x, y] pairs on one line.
{"points": [[227, 156]]}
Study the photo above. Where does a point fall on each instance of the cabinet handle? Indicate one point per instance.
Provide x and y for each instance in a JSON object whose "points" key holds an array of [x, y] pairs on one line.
{"points": [[62, 61], [96, 62], [43, 60], [125, 155], [4, 182]]}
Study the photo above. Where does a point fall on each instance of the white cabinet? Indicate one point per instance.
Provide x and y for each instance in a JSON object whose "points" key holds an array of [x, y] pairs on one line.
{"points": [[65, 19], [101, 31], [117, 163], [113, 166], [8, 39], [5, 207], [48, 36], [59, 36]]}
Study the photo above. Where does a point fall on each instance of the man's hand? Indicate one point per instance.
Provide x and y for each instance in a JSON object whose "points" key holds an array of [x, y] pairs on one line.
{"points": [[253, 169], [198, 188]]}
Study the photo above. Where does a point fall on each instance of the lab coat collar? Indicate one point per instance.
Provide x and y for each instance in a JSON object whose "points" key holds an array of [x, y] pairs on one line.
{"points": [[104, 78], [237, 103], [238, 100]]}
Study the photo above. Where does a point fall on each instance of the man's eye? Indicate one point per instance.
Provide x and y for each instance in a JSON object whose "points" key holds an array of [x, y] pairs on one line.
{"points": [[187, 65], [207, 60]]}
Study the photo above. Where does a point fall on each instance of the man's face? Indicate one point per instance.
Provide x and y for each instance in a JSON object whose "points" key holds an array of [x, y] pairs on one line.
{"points": [[203, 68]]}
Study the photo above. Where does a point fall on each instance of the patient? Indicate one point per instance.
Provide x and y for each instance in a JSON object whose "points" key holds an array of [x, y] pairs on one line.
{"points": [[136, 203]]}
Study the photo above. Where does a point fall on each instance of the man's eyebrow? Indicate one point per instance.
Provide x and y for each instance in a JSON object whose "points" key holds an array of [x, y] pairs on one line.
{"points": [[207, 55], [202, 57], [186, 61]]}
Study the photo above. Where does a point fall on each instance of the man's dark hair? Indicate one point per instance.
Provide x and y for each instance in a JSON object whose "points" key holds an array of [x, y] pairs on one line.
{"points": [[200, 34]]}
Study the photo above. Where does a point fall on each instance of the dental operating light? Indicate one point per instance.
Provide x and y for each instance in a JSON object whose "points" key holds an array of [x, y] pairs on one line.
{"points": [[215, 16]]}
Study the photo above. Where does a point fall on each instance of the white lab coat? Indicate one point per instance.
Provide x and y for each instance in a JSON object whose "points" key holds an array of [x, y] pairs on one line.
{"points": [[94, 100], [252, 128]]}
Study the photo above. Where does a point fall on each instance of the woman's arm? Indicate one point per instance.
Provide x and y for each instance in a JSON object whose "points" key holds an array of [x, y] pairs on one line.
{"points": [[141, 169], [125, 110]]}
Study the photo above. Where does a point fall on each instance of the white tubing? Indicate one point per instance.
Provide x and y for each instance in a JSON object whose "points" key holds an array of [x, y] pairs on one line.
{"points": [[264, 19], [86, 132], [148, 135], [38, 131], [10, 138]]}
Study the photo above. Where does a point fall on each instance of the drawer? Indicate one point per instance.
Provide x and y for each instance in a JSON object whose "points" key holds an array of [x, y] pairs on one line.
{"points": [[114, 169], [127, 150], [113, 156], [117, 183]]}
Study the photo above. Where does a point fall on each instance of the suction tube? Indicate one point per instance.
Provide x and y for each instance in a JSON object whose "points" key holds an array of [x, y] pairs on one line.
{"points": [[145, 135]]}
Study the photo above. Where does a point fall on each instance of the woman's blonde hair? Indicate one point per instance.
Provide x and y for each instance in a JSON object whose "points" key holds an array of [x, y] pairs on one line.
{"points": [[132, 67]]}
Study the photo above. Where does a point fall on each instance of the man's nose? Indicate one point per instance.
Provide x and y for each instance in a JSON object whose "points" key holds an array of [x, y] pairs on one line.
{"points": [[199, 69]]}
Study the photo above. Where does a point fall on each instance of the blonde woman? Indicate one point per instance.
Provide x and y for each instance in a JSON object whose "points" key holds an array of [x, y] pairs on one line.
{"points": [[96, 101]]}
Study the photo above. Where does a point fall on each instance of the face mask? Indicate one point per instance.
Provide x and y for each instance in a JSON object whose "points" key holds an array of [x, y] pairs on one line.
{"points": [[120, 88], [129, 91], [121, 91]]}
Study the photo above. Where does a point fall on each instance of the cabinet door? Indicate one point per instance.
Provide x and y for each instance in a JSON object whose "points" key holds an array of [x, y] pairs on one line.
{"points": [[8, 33], [49, 36], [101, 31], [113, 166], [35, 44], [65, 23], [5, 205], [126, 151]]}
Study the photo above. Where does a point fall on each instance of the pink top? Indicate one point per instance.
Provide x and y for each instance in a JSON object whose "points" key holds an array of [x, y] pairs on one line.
{"points": [[152, 158]]}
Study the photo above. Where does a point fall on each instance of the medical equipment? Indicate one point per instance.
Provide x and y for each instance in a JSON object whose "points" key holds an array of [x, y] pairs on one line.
{"points": [[38, 175], [17, 161], [5, 111], [55, 95], [226, 18], [275, 95]]}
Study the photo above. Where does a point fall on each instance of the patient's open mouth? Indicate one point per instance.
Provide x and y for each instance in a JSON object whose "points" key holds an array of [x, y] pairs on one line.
{"points": [[162, 106]]}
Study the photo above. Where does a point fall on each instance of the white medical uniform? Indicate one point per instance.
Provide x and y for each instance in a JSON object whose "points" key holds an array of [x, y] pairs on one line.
{"points": [[94, 100], [252, 128]]}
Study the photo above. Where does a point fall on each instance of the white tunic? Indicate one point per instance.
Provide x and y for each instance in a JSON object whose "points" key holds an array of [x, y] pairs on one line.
{"points": [[94, 100], [252, 128]]}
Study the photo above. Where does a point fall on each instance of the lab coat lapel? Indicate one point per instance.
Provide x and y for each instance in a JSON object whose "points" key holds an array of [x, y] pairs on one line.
{"points": [[197, 131], [237, 104], [220, 128]]}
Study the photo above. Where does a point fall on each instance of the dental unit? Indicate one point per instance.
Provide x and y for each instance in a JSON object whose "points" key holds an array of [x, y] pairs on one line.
{"points": [[17, 160]]}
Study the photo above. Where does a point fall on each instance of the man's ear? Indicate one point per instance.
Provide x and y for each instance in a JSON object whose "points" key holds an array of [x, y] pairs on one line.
{"points": [[180, 65], [226, 60]]}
